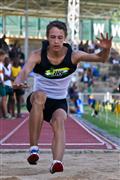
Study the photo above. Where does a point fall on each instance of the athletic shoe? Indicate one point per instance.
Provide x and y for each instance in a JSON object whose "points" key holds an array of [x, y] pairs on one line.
{"points": [[56, 166], [6, 116], [13, 117], [34, 155]]}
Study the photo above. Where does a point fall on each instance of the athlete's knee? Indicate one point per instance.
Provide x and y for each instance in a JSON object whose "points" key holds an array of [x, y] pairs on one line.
{"points": [[59, 120], [59, 116], [58, 124], [38, 98]]}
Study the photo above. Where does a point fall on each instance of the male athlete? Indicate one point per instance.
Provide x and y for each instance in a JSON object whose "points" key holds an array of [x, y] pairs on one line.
{"points": [[54, 65]]}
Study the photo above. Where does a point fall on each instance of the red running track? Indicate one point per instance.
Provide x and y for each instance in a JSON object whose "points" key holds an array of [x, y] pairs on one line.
{"points": [[14, 135]]}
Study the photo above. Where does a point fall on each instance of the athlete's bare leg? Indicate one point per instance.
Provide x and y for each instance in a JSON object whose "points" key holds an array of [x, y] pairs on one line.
{"points": [[58, 143], [36, 116]]}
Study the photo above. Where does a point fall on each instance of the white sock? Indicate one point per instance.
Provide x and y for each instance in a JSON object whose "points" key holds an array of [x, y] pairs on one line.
{"points": [[54, 161], [34, 147]]}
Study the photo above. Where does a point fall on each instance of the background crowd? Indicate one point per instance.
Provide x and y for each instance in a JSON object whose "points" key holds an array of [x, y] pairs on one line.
{"points": [[89, 77], [11, 62]]}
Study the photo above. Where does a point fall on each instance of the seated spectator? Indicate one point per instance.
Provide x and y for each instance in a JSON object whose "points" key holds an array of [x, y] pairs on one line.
{"points": [[117, 90], [81, 46]]}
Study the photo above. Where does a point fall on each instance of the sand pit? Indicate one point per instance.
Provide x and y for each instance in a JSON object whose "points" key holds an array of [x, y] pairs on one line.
{"points": [[77, 166]]}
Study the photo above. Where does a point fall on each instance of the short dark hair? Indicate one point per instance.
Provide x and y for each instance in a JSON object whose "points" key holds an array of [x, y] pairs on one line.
{"points": [[58, 24]]}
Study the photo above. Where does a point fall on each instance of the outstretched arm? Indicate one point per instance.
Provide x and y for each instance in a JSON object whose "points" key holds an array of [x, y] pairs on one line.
{"points": [[28, 67], [105, 44]]}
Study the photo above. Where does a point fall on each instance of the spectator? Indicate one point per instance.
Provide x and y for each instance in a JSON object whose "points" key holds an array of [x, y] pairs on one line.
{"points": [[2, 86], [117, 89], [3, 44], [8, 87], [86, 46], [81, 46], [16, 68], [87, 79]]}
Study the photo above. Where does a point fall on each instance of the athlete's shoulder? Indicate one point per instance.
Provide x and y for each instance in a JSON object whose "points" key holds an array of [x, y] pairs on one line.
{"points": [[35, 55], [78, 56]]}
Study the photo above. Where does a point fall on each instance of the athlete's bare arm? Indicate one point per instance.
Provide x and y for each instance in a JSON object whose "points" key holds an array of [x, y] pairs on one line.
{"points": [[34, 59], [105, 44]]}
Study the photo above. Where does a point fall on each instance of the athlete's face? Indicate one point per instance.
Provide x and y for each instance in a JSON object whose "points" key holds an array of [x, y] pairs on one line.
{"points": [[56, 38]]}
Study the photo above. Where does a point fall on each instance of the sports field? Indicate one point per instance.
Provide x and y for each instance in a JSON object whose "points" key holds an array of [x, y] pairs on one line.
{"points": [[88, 156], [81, 36]]}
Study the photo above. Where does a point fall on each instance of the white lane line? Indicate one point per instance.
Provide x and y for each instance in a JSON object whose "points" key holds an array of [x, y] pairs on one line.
{"points": [[91, 133], [12, 132], [106, 141], [42, 144], [47, 144]]}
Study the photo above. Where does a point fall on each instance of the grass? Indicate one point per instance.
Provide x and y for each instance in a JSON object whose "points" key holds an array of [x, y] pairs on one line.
{"points": [[105, 120]]}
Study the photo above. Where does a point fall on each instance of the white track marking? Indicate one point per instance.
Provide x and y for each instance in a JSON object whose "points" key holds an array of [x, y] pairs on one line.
{"points": [[106, 141], [48, 144], [101, 142], [91, 133], [12, 132]]}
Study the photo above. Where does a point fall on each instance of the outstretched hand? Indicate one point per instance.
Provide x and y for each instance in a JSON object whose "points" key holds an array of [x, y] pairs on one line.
{"points": [[20, 85], [104, 41]]}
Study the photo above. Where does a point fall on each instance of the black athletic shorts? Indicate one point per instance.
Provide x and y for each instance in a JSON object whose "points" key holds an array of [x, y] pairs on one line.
{"points": [[50, 106]]}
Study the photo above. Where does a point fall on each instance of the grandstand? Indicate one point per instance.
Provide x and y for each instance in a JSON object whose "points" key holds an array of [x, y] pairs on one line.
{"points": [[20, 19], [25, 21], [93, 123]]}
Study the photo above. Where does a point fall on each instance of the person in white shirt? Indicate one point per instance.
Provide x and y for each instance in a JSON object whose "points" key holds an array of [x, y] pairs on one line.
{"points": [[8, 87], [3, 108]]}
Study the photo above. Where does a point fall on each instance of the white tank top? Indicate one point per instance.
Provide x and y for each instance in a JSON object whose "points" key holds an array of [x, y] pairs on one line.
{"points": [[54, 88]]}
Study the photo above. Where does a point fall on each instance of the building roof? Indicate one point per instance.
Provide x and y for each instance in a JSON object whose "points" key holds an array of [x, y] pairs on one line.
{"points": [[59, 8]]}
